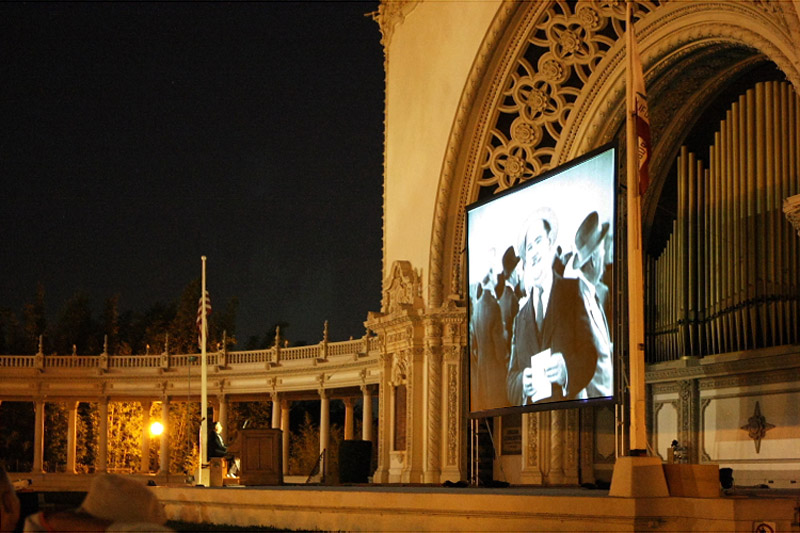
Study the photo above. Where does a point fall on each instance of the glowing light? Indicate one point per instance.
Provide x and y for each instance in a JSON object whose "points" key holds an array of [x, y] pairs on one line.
{"points": [[156, 429]]}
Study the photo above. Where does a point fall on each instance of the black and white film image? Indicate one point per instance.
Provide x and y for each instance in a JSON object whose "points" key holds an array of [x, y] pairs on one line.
{"points": [[540, 268]]}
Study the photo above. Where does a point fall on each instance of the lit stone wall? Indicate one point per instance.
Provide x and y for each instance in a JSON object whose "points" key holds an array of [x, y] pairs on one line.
{"points": [[431, 47]]}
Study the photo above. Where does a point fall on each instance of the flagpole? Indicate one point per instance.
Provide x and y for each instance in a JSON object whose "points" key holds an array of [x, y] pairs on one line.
{"points": [[636, 474], [203, 382], [638, 432]]}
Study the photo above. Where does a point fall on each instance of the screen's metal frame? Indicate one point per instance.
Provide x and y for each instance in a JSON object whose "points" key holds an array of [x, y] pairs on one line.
{"points": [[617, 353]]}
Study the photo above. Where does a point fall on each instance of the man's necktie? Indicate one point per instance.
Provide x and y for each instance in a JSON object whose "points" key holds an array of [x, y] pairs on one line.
{"points": [[539, 310]]}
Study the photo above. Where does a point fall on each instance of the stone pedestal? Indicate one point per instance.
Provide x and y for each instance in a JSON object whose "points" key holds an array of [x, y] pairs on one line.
{"points": [[638, 477], [692, 481], [216, 475]]}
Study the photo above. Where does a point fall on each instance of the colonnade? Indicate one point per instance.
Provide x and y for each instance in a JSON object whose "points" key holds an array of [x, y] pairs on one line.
{"points": [[280, 419]]}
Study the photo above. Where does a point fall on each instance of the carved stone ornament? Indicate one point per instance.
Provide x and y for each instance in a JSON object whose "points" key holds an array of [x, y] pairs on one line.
{"points": [[757, 427], [791, 206], [400, 367], [391, 13], [402, 289], [452, 414]]}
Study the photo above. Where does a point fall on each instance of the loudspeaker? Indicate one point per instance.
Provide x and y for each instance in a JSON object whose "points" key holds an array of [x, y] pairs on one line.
{"points": [[355, 459], [726, 478]]}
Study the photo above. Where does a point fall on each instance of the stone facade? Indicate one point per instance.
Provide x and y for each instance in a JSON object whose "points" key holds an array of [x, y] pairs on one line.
{"points": [[500, 92]]}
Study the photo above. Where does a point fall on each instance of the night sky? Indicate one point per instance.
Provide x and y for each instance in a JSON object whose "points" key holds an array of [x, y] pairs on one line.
{"points": [[138, 137]]}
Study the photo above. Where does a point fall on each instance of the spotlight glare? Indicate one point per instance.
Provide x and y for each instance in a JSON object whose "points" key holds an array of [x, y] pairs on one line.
{"points": [[156, 429]]}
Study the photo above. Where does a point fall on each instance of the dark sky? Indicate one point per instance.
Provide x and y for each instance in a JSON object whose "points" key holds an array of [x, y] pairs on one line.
{"points": [[137, 137]]}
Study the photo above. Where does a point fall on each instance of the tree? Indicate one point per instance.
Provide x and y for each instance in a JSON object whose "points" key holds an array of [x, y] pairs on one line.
{"points": [[55, 437], [259, 415], [304, 449], [11, 333], [223, 323], [35, 320], [124, 436], [109, 323], [75, 327], [184, 433], [16, 436], [87, 440]]}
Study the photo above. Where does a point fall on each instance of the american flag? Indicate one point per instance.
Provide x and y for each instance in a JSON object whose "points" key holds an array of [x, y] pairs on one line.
{"points": [[204, 305]]}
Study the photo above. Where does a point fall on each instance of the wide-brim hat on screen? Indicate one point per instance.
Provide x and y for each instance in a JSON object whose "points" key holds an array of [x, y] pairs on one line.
{"points": [[589, 236], [510, 261], [121, 499]]}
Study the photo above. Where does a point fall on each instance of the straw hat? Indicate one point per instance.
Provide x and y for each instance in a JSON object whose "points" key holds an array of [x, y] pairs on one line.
{"points": [[121, 499]]}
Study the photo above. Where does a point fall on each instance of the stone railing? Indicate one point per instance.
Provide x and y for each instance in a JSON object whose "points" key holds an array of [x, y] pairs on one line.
{"points": [[275, 355]]}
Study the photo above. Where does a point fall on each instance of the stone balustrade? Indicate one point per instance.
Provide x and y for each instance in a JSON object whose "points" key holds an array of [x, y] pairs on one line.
{"points": [[117, 365], [327, 370]]}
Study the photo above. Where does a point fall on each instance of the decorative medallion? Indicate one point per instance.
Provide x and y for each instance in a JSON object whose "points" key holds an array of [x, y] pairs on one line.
{"points": [[757, 427]]}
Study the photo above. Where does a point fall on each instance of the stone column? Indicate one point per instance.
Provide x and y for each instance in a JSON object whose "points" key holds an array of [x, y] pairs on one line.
{"points": [[324, 428], [102, 452], [366, 414], [72, 426], [556, 472], [163, 466], [144, 465], [38, 436], [223, 416], [432, 406], [531, 471], [285, 405], [276, 411], [348, 419], [381, 474]]}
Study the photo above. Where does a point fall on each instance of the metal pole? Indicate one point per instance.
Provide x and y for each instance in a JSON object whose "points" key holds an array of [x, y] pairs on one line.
{"points": [[203, 382]]}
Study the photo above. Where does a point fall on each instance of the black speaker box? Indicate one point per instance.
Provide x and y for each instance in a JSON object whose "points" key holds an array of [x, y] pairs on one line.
{"points": [[355, 459]]}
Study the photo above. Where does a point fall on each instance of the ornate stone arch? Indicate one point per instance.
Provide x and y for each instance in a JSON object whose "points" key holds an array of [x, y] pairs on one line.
{"points": [[548, 85]]}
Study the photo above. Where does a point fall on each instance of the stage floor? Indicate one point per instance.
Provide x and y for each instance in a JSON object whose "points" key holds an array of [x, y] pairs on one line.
{"points": [[436, 508], [431, 508]]}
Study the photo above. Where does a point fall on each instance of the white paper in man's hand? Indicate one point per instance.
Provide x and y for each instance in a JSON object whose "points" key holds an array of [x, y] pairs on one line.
{"points": [[541, 385]]}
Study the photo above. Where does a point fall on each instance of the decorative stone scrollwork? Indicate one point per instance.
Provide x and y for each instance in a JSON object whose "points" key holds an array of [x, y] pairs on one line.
{"points": [[400, 367], [403, 288], [565, 47], [791, 206], [453, 353], [434, 371], [389, 15], [452, 414], [533, 434]]}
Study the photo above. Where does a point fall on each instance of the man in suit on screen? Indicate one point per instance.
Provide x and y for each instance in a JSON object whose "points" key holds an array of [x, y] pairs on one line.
{"points": [[553, 350]]}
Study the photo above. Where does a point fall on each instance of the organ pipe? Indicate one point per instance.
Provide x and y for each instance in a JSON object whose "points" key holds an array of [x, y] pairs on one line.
{"points": [[727, 278]]}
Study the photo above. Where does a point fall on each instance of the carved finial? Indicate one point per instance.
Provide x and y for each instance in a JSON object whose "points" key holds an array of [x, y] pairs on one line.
{"points": [[74, 349], [41, 345], [325, 332], [166, 344], [277, 335], [105, 344]]}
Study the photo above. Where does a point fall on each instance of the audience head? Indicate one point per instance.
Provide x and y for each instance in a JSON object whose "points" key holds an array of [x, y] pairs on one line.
{"points": [[9, 504], [122, 499]]}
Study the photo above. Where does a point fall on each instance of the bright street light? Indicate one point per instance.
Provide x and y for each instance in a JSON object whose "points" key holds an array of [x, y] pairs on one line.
{"points": [[156, 429]]}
